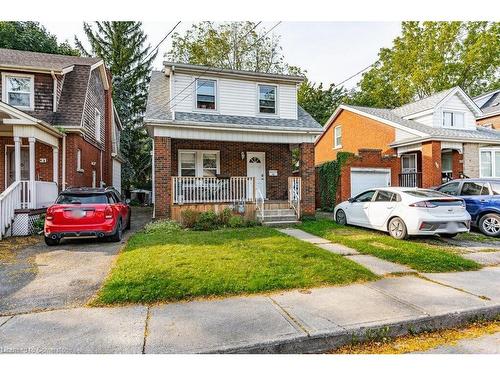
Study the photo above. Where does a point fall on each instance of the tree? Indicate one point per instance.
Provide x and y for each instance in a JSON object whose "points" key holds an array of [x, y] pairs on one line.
{"points": [[231, 45], [31, 36], [430, 57], [319, 102], [122, 46]]}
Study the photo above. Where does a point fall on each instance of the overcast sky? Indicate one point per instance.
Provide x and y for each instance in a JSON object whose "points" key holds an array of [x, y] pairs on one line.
{"points": [[329, 51]]}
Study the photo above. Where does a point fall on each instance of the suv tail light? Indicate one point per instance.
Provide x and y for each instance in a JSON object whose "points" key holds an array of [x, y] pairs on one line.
{"points": [[108, 212], [423, 204], [49, 214]]}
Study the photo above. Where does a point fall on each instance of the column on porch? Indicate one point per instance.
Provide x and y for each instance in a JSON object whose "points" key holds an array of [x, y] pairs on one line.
{"points": [[55, 164], [307, 173], [17, 158], [431, 164], [162, 176]]}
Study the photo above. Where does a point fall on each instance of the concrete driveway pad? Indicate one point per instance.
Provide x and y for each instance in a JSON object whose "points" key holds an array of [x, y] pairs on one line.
{"points": [[430, 297], [489, 258], [330, 309], [304, 236], [204, 326], [379, 266], [485, 282], [81, 330]]}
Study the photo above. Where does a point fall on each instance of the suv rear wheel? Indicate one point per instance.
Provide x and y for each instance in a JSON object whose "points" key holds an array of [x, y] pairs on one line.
{"points": [[117, 236], [489, 225], [51, 241]]}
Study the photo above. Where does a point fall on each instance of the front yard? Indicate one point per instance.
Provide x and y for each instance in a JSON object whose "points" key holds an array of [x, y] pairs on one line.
{"points": [[180, 264], [415, 253]]}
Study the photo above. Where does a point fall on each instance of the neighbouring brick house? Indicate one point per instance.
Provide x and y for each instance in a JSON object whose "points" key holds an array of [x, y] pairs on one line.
{"points": [[421, 144], [58, 125], [225, 138], [490, 107]]}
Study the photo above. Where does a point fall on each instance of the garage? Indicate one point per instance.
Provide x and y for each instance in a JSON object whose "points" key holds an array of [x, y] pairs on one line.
{"points": [[368, 178]]}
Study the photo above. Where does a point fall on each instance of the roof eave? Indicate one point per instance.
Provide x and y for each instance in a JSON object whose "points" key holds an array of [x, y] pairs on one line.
{"points": [[411, 141]]}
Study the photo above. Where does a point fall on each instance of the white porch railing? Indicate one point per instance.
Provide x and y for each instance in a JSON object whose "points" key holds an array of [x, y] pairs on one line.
{"points": [[10, 200], [212, 189], [295, 194]]}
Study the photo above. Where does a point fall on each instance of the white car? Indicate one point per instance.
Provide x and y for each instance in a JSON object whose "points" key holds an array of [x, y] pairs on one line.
{"points": [[405, 212]]}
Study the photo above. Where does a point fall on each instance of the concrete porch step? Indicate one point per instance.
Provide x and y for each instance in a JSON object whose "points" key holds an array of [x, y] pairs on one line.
{"points": [[280, 212], [283, 224], [279, 217]]}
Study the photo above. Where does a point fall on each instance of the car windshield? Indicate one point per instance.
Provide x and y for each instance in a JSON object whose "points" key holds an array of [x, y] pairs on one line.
{"points": [[82, 199], [426, 193]]}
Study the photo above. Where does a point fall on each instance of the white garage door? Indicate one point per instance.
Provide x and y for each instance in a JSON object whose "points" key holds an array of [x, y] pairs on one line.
{"points": [[117, 175], [369, 178]]}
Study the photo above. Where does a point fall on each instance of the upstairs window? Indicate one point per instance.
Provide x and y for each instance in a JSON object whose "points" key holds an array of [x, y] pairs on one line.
{"points": [[18, 91], [267, 99], [97, 120], [337, 137], [453, 119], [206, 94]]}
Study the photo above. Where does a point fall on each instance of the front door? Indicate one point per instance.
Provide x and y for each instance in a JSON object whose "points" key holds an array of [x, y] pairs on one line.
{"points": [[409, 163], [11, 166], [256, 167]]}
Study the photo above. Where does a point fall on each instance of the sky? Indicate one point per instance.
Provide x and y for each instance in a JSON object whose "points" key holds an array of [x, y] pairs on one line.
{"points": [[329, 51]]}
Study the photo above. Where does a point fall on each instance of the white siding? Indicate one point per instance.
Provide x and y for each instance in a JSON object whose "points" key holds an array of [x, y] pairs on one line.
{"points": [[235, 97], [117, 175], [401, 134], [426, 120], [455, 104]]}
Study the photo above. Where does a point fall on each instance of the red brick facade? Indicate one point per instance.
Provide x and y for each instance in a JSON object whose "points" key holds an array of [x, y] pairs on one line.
{"points": [[162, 176], [90, 155], [308, 175], [431, 164]]}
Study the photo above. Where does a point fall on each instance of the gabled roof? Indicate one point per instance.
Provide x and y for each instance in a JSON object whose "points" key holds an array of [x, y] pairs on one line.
{"points": [[10, 58], [489, 103]]}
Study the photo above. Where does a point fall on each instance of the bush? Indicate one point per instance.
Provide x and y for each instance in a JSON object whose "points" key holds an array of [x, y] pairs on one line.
{"points": [[38, 224], [236, 222], [189, 218], [164, 226], [224, 216], [207, 220]]}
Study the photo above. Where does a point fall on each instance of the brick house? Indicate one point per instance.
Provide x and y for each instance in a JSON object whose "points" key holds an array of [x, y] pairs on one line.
{"points": [[59, 128], [421, 144], [490, 107], [225, 138]]}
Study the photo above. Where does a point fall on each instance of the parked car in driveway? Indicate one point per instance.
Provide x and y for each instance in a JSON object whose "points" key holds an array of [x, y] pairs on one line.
{"points": [[482, 200], [405, 212], [87, 212]]}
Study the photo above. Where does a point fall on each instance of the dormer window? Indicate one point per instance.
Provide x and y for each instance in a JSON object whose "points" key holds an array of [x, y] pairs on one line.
{"points": [[18, 90], [453, 119], [267, 99], [206, 94]]}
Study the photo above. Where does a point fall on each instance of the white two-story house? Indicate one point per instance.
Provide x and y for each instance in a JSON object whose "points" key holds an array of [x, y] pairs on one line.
{"points": [[225, 138]]}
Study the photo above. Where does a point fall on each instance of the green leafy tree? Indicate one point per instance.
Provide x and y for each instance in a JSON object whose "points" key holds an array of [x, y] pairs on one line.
{"points": [[230, 45], [31, 36], [122, 46], [430, 57], [318, 101]]}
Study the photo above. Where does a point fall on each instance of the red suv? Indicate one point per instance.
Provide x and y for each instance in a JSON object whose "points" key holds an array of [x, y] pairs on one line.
{"points": [[87, 212]]}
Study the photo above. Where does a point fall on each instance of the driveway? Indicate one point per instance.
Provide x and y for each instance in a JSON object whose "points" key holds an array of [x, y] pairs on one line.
{"points": [[41, 277]]}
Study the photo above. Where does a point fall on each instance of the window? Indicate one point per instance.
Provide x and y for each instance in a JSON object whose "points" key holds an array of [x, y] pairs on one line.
{"points": [[495, 188], [475, 188], [365, 197], [206, 94], [267, 99], [409, 163], [209, 164], [187, 164], [97, 198], [97, 124], [453, 119], [446, 162], [18, 91], [386, 196], [79, 160], [337, 135], [451, 188], [489, 160]]}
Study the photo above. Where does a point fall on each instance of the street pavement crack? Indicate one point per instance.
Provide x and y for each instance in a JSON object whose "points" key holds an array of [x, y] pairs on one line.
{"points": [[289, 317], [146, 329]]}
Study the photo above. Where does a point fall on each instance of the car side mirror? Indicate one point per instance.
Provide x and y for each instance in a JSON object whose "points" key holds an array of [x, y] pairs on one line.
{"points": [[351, 200], [127, 201]]}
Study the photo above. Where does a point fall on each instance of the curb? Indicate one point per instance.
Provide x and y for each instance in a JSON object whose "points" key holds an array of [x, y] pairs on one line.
{"points": [[320, 343]]}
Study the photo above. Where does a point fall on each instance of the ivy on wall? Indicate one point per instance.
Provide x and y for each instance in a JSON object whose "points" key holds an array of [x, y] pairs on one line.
{"points": [[329, 177]]}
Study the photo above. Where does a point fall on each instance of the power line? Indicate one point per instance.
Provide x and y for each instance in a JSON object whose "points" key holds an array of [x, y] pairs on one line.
{"points": [[160, 42], [355, 74]]}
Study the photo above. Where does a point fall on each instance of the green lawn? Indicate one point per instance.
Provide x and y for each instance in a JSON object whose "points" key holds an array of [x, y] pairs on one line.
{"points": [[418, 255], [163, 266]]}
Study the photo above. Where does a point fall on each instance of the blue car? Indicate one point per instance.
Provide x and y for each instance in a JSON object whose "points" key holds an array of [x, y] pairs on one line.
{"points": [[482, 200]]}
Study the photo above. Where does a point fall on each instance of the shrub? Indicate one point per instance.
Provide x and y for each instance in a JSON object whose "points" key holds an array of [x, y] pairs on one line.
{"points": [[189, 218], [224, 216], [207, 220], [236, 221], [165, 226], [252, 223], [38, 224]]}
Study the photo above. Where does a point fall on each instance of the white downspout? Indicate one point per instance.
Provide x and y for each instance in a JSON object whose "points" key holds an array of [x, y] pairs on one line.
{"points": [[153, 176], [64, 162]]}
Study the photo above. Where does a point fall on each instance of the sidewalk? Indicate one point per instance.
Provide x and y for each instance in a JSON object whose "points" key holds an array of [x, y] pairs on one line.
{"points": [[289, 322]]}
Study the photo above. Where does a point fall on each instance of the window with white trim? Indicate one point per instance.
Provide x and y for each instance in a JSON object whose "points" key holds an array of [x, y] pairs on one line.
{"points": [[267, 99], [489, 160], [206, 94], [199, 163], [209, 161], [337, 137], [97, 123], [453, 119], [79, 160], [187, 164], [19, 91]]}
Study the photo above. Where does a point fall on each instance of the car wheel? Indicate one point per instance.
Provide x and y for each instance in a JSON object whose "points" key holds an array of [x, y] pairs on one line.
{"points": [[51, 242], [117, 236], [340, 217], [397, 229], [448, 235], [489, 225]]}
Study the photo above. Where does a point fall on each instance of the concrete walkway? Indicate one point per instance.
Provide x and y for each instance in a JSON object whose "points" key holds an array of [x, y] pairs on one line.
{"points": [[376, 265], [297, 321]]}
